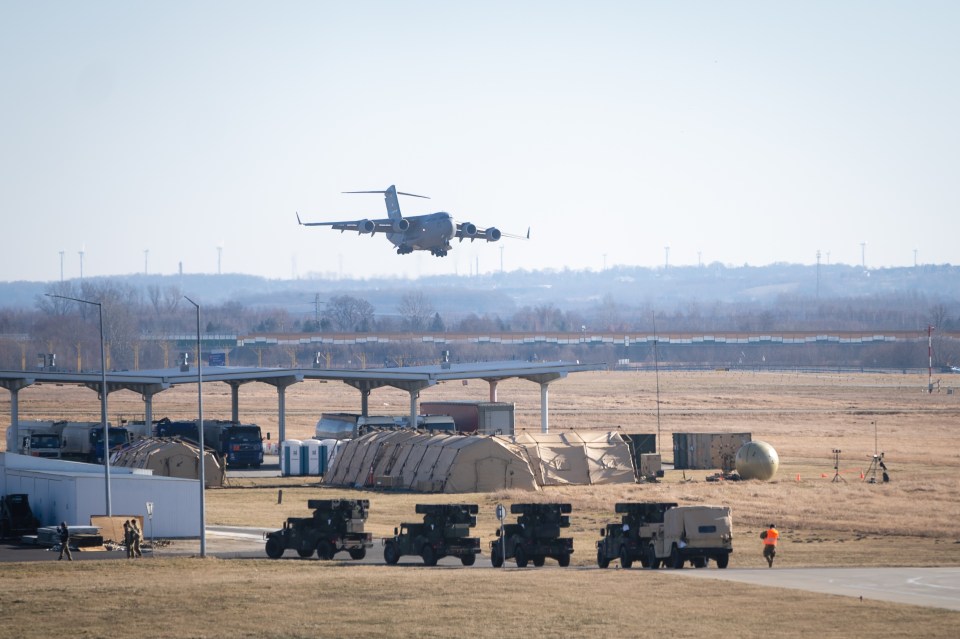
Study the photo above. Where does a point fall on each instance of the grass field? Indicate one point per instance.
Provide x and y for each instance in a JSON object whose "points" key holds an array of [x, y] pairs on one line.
{"points": [[909, 521]]}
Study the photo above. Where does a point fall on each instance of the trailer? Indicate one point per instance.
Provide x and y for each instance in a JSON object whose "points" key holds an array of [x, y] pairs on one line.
{"points": [[481, 418]]}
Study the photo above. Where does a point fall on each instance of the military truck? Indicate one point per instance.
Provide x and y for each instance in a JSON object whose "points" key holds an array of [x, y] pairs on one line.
{"points": [[336, 525], [443, 533], [623, 540], [692, 534], [534, 537]]}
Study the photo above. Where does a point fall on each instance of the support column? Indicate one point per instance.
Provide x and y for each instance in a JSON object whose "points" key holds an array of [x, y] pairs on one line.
{"points": [[544, 408], [544, 380], [493, 389], [414, 396], [281, 384], [147, 391], [13, 433], [234, 402], [365, 386]]}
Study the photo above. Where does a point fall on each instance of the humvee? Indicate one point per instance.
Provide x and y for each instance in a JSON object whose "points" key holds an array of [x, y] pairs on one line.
{"points": [[692, 534], [336, 525], [443, 533], [534, 537]]}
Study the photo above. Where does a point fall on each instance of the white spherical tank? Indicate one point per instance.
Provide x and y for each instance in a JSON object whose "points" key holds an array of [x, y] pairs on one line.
{"points": [[757, 460]]}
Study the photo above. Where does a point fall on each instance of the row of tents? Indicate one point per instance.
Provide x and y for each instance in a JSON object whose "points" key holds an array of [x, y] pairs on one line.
{"points": [[421, 462]]}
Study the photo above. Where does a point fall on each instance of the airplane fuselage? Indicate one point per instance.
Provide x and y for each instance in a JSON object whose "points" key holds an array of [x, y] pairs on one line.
{"points": [[431, 232]]}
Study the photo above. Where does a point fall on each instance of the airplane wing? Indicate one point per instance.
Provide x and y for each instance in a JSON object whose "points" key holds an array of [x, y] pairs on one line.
{"points": [[359, 226], [468, 231]]}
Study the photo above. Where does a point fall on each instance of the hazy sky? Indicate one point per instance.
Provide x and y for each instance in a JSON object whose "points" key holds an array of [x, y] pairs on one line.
{"points": [[747, 132]]}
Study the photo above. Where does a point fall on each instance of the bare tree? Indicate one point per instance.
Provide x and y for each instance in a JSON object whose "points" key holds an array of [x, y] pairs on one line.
{"points": [[416, 310], [349, 313]]}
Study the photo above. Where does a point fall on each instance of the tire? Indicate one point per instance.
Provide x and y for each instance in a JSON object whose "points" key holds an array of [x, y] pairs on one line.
{"points": [[676, 559], [468, 560], [358, 553], [563, 560], [305, 552], [429, 555], [325, 550], [539, 560], [274, 548], [391, 554], [496, 555], [652, 562], [602, 560], [625, 559], [520, 556], [722, 561]]}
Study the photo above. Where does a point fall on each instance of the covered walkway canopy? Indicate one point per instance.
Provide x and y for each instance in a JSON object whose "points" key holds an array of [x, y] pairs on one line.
{"points": [[412, 379]]}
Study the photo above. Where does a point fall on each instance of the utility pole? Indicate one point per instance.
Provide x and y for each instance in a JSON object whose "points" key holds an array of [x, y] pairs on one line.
{"points": [[818, 273]]}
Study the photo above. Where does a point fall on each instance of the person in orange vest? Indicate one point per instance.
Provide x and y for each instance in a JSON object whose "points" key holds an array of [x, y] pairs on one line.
{"points": [[770, 536]]}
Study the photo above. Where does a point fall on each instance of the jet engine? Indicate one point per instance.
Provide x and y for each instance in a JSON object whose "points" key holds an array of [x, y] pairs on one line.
{"points": [[493, 234], [401, 225], [366, 226], [468, 230]]}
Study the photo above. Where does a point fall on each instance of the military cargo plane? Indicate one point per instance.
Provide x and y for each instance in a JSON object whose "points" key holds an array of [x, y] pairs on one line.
{"points": [[431, 232]]}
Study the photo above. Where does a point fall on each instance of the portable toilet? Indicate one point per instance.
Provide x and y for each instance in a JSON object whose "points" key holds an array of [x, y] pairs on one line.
{"points": [[290, 455], [311, 457], [331, 447]]}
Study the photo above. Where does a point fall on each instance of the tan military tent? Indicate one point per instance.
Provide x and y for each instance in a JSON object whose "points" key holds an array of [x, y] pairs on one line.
{"points": [[583, 457], [431, 463], [474, 463], [171, 458]]}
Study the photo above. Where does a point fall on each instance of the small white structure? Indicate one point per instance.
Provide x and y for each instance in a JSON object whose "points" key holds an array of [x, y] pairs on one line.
{"points": [[313, 457], [291, 451], [74, 491]]}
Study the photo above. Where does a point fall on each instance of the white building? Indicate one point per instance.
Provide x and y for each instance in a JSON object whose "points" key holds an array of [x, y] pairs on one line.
{"points": [[73, 491]]}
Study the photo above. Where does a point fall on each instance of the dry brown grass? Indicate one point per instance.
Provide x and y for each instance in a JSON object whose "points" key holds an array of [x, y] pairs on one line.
{"points": [[248, 598], [910, 521]]}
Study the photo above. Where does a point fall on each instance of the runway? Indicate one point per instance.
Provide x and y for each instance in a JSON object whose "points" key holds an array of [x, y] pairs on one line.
{"points": [[931, 587]]}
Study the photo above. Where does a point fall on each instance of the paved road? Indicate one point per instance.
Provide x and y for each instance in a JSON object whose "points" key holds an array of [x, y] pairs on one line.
{"points": [[931, 587]]}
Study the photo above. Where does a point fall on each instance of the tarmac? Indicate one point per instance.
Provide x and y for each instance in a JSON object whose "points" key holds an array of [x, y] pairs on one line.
{"points": [[929, 587]]}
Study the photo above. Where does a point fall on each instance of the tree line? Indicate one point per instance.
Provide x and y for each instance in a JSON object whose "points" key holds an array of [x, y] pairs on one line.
{"points": [[139, 322]]}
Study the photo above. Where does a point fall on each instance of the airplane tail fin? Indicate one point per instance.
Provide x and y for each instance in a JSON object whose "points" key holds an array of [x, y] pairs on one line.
{"points": [[390, 197]]}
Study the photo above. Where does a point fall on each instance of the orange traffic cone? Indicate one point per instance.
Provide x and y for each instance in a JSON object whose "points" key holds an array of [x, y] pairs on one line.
{"points": [[861, 474], [798, 476], [823, 475]]}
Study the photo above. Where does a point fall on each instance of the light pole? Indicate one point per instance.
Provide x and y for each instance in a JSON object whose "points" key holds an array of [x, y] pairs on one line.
{"points": [[103, 399], [203, 485]]}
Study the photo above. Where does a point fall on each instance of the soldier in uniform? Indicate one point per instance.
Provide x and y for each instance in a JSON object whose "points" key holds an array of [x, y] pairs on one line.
{"points": [[128, 539], [137, 536], [64, 541]]}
